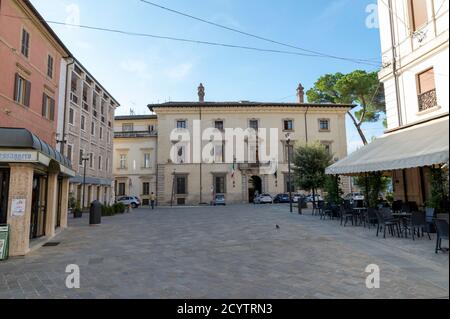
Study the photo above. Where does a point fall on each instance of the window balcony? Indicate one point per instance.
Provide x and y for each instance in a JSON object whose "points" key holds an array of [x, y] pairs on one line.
{"points": [[251, 166], [427, 100], [134, 134]]}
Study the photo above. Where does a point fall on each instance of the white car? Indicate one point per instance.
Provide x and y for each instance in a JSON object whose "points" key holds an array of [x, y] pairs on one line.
{"points": [[309, 198], [130, 200], [352, 197], [263, 199]]}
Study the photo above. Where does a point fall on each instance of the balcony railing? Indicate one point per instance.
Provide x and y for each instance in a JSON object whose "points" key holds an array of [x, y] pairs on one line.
{"points": [[134, 134], [427, 100], [249, 166]]}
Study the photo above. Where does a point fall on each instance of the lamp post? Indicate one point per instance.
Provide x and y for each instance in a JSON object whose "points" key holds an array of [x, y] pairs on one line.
{"points": [[84, 159], [288, 143]]}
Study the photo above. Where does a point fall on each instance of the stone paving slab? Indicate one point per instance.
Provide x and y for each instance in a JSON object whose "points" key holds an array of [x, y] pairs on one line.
{"points": [[226, 252]]}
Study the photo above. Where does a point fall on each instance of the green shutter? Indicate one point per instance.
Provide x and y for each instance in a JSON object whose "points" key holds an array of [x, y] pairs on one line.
{"points": [[27, 93], [44, 105], [16, 84], [52, 109]]}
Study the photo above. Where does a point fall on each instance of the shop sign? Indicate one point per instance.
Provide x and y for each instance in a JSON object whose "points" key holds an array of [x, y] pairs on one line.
{"points": [[4, 242], [17, 156], [18, 207]]}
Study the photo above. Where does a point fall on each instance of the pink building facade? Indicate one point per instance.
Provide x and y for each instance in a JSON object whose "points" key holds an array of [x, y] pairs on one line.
{"points": [[34, 177], [30, 61]]}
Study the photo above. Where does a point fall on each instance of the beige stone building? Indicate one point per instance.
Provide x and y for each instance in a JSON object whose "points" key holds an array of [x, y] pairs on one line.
{"points": [[183, 181], [135, 153], [88, 115]]}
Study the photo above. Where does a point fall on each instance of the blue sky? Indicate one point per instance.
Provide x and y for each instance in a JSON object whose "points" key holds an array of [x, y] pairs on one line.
{"points": [[138, 71]]}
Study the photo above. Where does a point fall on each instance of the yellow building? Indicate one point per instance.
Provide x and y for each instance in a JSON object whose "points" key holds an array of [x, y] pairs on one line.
{"points": [[135, 146], [183, 180]]}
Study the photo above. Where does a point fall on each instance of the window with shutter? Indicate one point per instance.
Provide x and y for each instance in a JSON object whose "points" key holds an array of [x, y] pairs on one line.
{"points": [[48, 107], [27, 93], [44, 105], [25, 43], [50, 66], [22, 90], [419, 14]]}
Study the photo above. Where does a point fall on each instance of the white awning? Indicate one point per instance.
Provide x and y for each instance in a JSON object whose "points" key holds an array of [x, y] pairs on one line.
{"points": [[418, 146]]}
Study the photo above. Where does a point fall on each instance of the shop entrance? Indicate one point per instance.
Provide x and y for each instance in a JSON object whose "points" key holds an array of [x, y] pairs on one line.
{"points": [[38, 206], [4, 187]]}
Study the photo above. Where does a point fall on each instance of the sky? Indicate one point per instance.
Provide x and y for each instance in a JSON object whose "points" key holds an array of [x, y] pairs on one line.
{"points": [[139, 70]]}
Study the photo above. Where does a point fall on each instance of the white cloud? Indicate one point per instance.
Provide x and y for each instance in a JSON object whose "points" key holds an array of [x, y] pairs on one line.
{"points": [[138, 67], [333, 9], [180, 71], [354, 144], [73, 15]]}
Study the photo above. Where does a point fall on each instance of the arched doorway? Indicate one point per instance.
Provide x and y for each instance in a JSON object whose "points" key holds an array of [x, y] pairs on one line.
{"points": [[254, 187]]}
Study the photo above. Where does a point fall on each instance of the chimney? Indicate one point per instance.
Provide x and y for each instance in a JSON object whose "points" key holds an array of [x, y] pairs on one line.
{"points": [[201, 93], [300, 94]]}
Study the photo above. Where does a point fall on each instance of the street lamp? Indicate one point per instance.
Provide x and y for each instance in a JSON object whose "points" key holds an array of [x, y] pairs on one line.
{"points": [[84, 159], [288, 143]]}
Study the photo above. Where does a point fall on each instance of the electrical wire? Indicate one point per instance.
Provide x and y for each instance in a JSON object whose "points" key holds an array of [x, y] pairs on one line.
{"points": [[317, 53], [138, 34]]}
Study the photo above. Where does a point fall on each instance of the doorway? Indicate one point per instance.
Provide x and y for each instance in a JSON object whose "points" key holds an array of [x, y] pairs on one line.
{"points": [[4, 188], [254, 188], [59, 208], [38, 206]]}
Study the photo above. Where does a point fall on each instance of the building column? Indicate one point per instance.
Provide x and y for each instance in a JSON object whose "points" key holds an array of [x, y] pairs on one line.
{"points": [[64, 202], [100, 194], [52, 204], [20, 187]]}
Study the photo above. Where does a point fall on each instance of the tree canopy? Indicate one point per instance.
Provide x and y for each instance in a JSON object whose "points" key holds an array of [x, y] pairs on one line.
{"points": [[310, 162], [358, 87]]}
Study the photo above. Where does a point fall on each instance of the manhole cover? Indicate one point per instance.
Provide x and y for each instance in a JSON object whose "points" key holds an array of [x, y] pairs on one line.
{"points": [[53, 244]]}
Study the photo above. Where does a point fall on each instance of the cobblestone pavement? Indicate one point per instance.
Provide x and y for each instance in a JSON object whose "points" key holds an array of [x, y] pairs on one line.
{"points": [[226, 252]]}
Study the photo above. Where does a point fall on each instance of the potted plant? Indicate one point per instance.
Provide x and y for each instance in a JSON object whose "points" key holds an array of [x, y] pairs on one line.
{"points": [[77, 212]]}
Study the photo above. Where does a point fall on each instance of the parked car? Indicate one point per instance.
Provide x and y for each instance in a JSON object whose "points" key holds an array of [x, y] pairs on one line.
{"points": [[281, 198], [309, 198], [263, 199], [219, 200], [352, 197], [296, 197], [134, 201]]}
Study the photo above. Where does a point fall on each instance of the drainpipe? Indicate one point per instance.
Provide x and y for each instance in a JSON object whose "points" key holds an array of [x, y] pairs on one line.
{"points": [[65, 102], [394, 64], [306, 124]]}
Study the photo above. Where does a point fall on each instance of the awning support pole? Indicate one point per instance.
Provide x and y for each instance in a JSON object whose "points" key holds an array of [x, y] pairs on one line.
{"points": [[405, 186], [367, 189]]}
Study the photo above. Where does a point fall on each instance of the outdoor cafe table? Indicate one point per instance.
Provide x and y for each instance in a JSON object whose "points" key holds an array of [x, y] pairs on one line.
{"points": [[358, 212], [404, 217]]}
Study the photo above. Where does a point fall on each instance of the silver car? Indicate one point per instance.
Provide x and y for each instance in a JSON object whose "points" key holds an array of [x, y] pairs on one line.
{"points": [[219, 200], [134, 201], [263, 199]]}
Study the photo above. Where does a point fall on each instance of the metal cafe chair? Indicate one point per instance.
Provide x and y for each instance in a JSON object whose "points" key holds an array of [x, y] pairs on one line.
{"points": [[441, 231]]}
